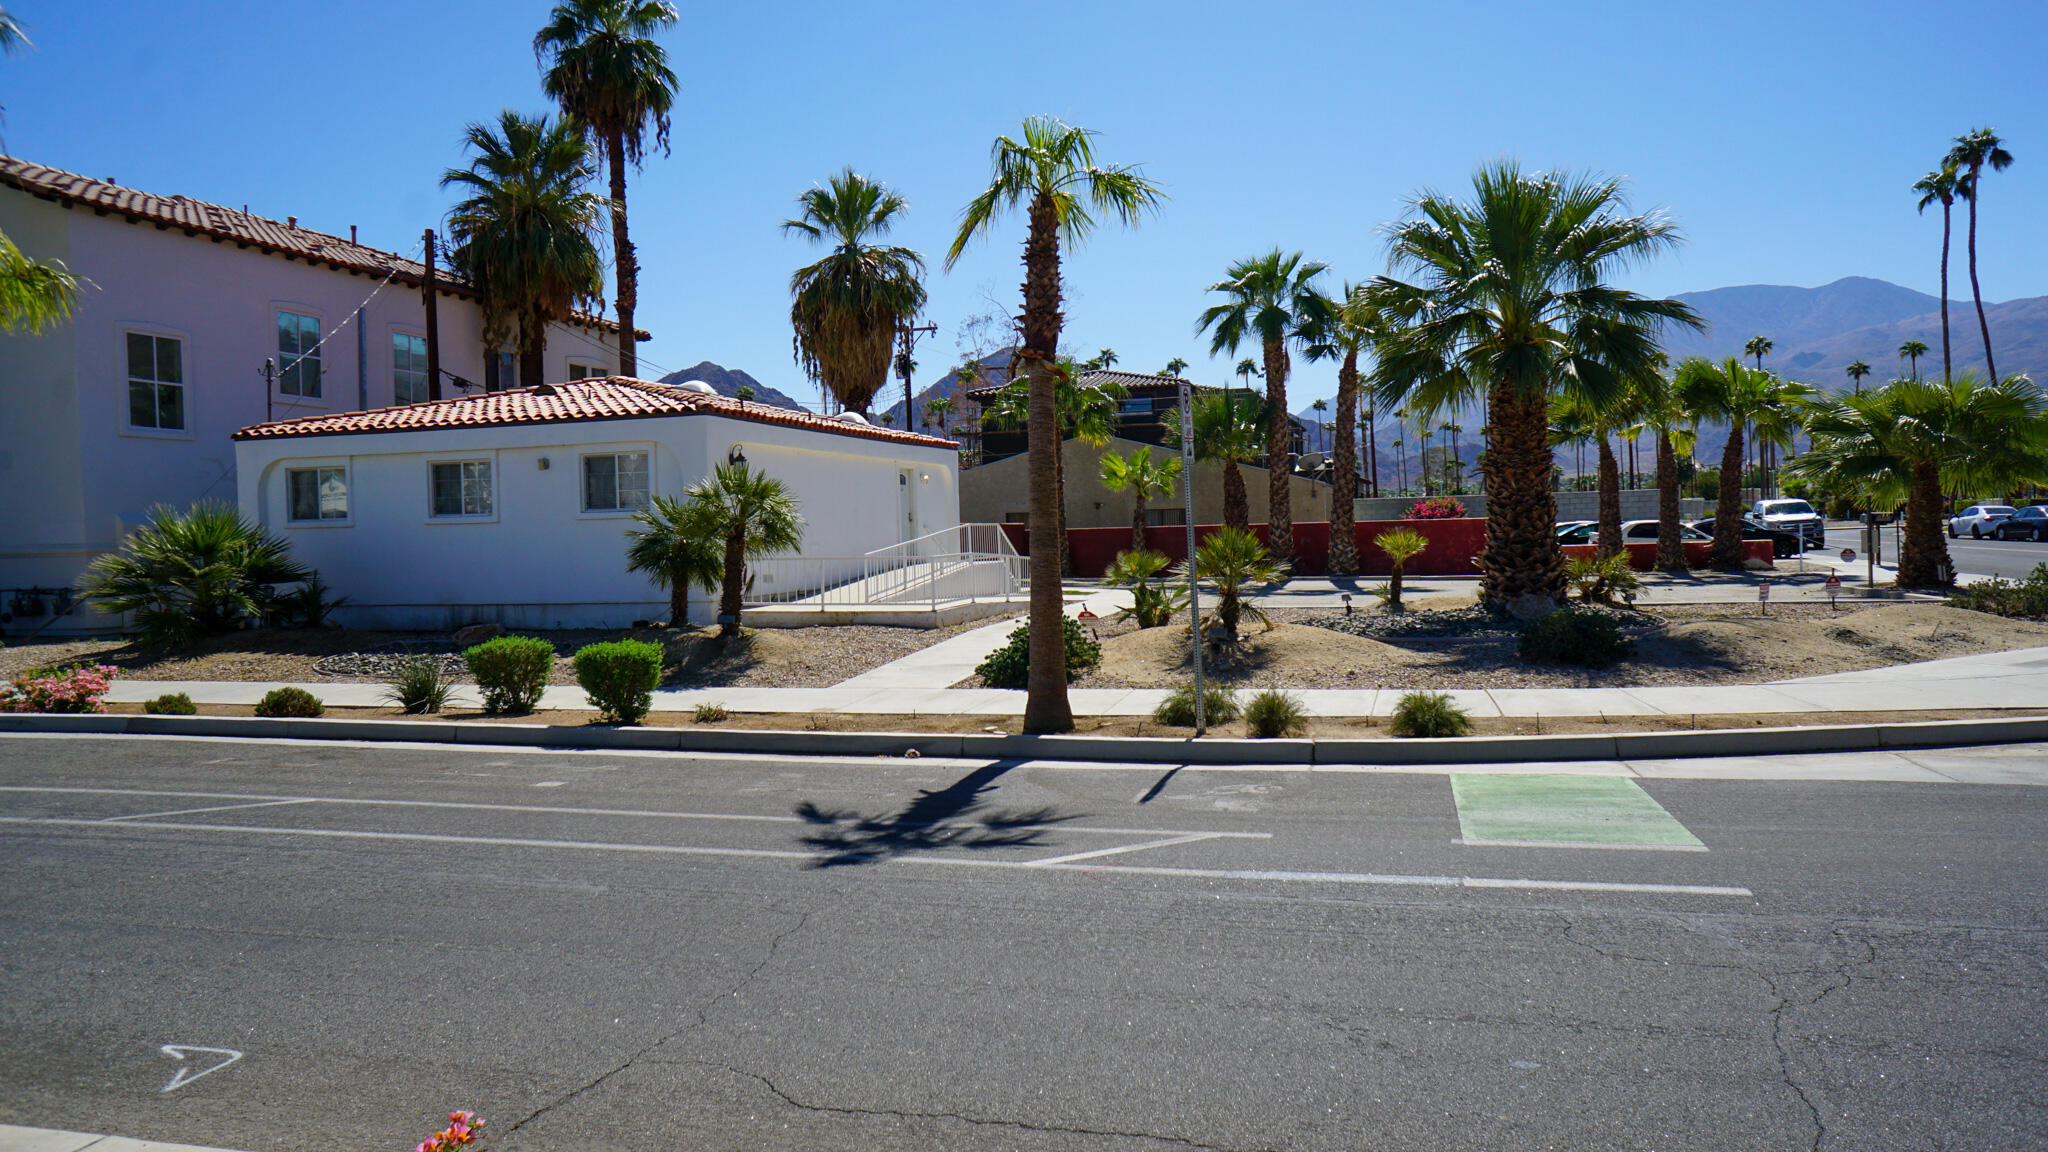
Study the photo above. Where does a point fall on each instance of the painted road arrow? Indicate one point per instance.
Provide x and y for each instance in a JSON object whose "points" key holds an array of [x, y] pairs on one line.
{"points": [[182, 1053]]}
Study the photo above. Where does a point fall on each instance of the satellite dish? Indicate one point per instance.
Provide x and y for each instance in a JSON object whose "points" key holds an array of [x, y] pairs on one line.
{"points": [[851, 417], [699, 387], [1312, 461]]}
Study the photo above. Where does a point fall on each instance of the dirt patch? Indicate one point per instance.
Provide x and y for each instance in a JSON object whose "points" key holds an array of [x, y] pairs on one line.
{"points": [[1679, 645]]}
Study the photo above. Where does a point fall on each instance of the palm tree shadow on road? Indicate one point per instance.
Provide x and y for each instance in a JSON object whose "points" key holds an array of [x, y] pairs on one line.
{"points": [[955, 816]]}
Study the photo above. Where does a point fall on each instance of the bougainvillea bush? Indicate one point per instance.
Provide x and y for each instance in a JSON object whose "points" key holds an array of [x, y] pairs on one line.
{"points": [[1436, 508], [78, 689]]}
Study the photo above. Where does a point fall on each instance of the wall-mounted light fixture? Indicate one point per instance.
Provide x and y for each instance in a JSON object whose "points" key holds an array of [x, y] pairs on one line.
{"points": [[543, 463], [736, 456]]}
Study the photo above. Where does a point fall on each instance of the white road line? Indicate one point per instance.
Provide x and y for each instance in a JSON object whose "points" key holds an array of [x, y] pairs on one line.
{"points": [[1580, 844], [952, 861], [192, 811], [1123, 848]]}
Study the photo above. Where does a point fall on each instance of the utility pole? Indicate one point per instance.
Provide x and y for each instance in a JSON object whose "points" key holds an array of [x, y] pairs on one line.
{"points": [[905, 366], [433, 324], [1187, 496]]}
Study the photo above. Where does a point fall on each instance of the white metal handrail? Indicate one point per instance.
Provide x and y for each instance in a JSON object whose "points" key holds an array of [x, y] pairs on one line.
{"points": [[966, 562]]}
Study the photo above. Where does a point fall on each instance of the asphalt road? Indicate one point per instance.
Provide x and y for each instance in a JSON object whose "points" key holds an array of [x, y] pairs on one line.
{"points": [[2012, 559], [601, 950]]}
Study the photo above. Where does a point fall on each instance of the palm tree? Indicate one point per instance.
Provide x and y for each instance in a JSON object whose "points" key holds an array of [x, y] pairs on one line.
{"points": [[1573, 420], [1230, 429], [1917, 440], [679, 548], [845, 309], [1246, 369], [1744, 397], [938, 410], [609, 76], [1401, 546], [1275, 299], [1103, 359], [1939, 186], [750, 515], [523, 235], [1351, 330], [1858, 370], [11, 34], [1143, 477], [1971, 154], [1514, 301], [1759, 347], [1050, 171], [1175, 367], [194, 572], [1913, 350], [1233, 560], [34, 296]]}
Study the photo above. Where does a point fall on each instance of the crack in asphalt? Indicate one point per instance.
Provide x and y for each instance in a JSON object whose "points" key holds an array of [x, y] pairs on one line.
{"points": [[701, 1015], [979, 1121]]}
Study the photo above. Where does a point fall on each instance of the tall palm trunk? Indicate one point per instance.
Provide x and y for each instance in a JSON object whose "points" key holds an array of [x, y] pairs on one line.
{"points": [[1726, 554], [1237, 504], [1138, 502], [1372, 446], [1977, 293], [627, 268], [1521, 555], [1610, 501], [1923, 553], [730, 587], [1945, 214], [1344, 477], [1279, 439], [1045, 708], [1670, 549], [533, 347], [679, 604]]}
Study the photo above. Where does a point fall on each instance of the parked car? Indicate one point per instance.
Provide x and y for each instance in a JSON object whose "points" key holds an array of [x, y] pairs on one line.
{"points": [[1782, 543], [1574, 531], [1978, 519], [2025, 524], [1632, 532], [1795, 516]]}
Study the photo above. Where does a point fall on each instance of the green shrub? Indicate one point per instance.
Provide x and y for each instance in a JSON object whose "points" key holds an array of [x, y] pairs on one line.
{"points": [[1010, 665], [187, 574], [1273, 713], [511, 671], [1601, 578], [419, 685], [1586, 639], [1430, 715], [171, 704], [1152, 605], [619, 677], [711, 714], [2027, 599], [1219, 706], [291, 702]]}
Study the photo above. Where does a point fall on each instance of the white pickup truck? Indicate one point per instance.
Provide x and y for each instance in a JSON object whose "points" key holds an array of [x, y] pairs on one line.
{"points": [[1794, 516]]}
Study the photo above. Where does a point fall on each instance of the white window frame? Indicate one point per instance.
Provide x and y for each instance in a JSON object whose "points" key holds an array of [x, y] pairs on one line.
{"points": [[426, 386], [583, 481], [490, 462], [184, 386], [348, 516], [584, 370], [278, 311]]}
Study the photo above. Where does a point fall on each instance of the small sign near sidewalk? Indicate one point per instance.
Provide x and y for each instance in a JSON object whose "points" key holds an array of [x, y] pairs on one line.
{"points": [[1763, 599], [1834, 590]]}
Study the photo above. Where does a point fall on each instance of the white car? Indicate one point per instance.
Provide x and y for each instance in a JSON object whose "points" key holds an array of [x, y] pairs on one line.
{"points": [[1977, 519], [1794, 516]]}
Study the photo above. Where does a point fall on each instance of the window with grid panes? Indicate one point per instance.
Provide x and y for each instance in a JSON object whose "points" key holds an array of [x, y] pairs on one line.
{"points": [[318, 493], [616, 482], [408, 368], [156, 381], [462, 488], [298, 354]]}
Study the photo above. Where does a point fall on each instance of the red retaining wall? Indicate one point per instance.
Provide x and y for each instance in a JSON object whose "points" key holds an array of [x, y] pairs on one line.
{"points": [[1452, 544]]}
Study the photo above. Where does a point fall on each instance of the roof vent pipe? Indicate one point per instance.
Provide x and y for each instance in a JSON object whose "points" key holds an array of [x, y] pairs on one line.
{"points": [[292, 221]]}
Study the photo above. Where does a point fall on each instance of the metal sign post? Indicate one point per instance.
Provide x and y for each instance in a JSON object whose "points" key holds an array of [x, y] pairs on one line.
{"points": [[1763, 599], [1834, 590], [1187, 495]]}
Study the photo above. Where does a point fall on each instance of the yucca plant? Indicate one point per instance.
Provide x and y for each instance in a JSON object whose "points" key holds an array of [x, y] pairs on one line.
{"points": [[194, 573], [419, 685], [1151, 604], [1401, 546], [1599, 578]]}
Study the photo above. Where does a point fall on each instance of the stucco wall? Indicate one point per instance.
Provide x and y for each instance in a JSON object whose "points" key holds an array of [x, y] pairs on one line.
{"points": [[539, 561], [991, 493], [64, 434]]}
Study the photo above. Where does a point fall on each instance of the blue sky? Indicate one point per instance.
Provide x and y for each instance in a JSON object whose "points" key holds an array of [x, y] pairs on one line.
{"points": [[1783, 137]]}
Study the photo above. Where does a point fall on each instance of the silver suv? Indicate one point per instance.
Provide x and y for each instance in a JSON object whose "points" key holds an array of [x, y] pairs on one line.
{"points": [[1794, 516]]}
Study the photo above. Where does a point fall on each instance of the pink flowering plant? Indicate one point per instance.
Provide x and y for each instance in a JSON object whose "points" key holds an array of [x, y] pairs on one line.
{"points": [[78, 689], [462, 1130], [1436, 508]]}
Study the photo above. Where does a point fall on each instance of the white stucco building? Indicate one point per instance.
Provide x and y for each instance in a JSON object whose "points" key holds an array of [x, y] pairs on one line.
{"points": [[133, 402], [512, 507]]}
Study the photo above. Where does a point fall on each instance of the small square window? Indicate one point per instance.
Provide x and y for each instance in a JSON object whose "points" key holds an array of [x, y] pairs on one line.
{"points": [[462, 488], [298, 354], [156, 381], [319, 493], [408, 368], [615, 483], [578, 370]]}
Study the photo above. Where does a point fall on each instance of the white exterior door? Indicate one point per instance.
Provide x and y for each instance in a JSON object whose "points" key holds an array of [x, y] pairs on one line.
{"points": [[906, 505]]}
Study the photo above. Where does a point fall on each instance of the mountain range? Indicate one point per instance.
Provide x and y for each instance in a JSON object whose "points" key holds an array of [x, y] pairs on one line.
{"points": [[728, 381]]}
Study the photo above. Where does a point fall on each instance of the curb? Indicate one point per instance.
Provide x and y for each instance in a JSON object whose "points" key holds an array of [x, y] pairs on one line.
{"points": [[1120, 749]]}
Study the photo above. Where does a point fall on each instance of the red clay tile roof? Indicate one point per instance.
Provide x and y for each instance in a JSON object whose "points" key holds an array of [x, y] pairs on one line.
{"points": [[612, 398], [198, 218]]}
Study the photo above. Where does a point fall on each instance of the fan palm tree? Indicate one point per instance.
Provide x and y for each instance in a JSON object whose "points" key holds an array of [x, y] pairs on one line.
{"points": [[1972, 153], [679, 548], [34, 296], [938, 411], [1233, 560], [1759, 347], [1858, 370], [608, 75], [1913, 350], [1350, 331], [1514, 302], [11, 34], [750, 515], [1272, 298], [1920, 439], [1939, 187], [1175, 367], [1230, 429], [523, 233], [1401, 546], [1142, 476], [1050, 171], [1573, 420], [1744, 397], [1662, 410], [188, 573], [845, 309], [1246, 369]]}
